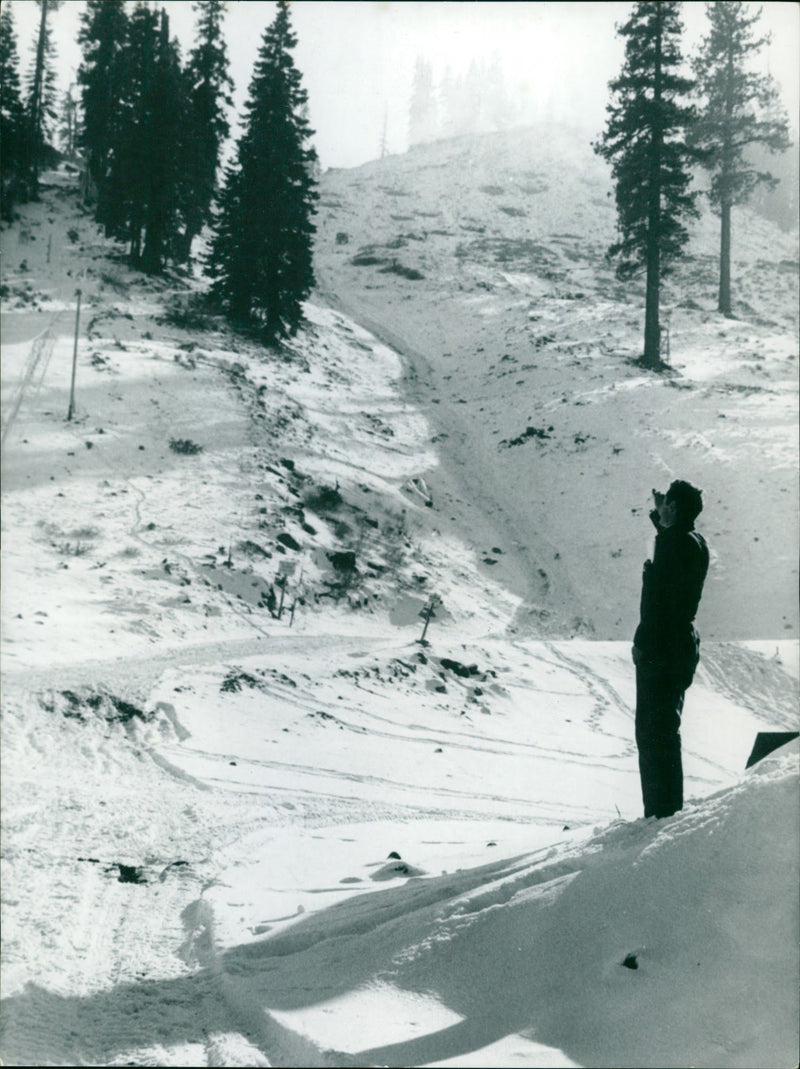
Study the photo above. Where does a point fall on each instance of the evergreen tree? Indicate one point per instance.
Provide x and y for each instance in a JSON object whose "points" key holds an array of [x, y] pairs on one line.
{"points": [[40, 107], [208, 87], [645, 141], [448, 103], [68, 121], [123, 204], [102, 37], [139, 201], [12, 115], [260, 257], [473, 88], [740, 109], [422, 110], [498, 106], [164, 111]]}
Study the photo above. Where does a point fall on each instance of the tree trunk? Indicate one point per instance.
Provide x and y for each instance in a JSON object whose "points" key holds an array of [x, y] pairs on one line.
{"points": [[35, 118], [151, 260], [725, 261], [652, 327], [135, 251], [157, 206], [183, 246]]}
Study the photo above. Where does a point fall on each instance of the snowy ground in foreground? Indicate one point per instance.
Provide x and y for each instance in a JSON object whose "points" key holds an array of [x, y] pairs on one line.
{"points": [[202, 802]]}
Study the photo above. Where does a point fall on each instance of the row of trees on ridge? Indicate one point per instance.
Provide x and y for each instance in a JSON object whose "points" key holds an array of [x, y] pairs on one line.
{"points": [[470, 103]]}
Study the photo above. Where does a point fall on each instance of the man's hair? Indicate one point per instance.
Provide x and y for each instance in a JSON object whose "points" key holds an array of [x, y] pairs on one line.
{"points": [[688, 499]]}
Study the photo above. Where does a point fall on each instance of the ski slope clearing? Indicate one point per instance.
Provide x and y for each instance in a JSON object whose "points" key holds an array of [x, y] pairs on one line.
{"points": [[248, 817]]}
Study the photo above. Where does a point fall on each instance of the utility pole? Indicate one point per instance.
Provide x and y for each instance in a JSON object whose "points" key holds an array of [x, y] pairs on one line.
{"points": [[74, 358]]}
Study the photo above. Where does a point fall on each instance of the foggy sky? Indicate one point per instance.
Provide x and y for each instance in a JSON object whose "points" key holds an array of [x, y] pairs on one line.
{"points": [[357, 58]]}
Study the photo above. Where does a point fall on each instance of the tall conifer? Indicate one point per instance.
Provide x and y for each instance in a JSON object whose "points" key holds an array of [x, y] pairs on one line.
{"points": [[102, 37], [164, 111], [40, 106], [739, 109], [12, 115], [68, 123], [127, 180], [645, 141], [208, 87], [140, 188], [261, 255], [422, 119]]}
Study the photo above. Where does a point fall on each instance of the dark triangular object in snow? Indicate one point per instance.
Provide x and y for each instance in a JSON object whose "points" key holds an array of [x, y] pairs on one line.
{"points": [[766, 742]]}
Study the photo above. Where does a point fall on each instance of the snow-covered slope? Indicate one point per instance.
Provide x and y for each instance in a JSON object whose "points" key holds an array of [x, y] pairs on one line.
{"points": [[248, 817], [522, 344]]}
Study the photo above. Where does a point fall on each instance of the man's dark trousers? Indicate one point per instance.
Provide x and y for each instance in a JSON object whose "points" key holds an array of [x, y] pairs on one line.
{"points": [[659, 702]]}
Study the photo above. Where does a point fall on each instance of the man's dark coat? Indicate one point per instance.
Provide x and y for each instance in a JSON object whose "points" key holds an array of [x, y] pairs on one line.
{"points": [[666, 652]]}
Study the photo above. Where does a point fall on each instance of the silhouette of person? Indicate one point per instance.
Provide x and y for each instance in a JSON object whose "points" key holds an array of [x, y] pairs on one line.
{"points": [[666, 646]]}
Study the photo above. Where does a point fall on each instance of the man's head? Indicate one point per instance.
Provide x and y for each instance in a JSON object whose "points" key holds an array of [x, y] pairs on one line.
{"points": [[681, 505]]}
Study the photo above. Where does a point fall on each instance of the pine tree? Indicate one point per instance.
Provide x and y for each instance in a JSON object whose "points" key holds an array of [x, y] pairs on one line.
{"points": [[102, 37], [208, 87], [473, 99], [40, 107], [164, 111], [740, 109], [498, 106], [123, 204], [645, 140], [448, 104], [139, 194], [12, 115], [422, 121], [261, 254], [68, 119]]}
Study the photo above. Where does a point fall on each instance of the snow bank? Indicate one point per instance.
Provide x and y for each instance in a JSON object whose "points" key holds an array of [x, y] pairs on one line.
{"points": [[655, 943]]}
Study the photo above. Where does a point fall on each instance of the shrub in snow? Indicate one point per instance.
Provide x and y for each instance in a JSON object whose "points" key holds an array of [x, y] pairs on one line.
{"points": [[185, 446]]}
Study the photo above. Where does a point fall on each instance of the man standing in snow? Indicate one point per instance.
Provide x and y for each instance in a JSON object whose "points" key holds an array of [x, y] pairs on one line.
{"points": [[666, 646]]}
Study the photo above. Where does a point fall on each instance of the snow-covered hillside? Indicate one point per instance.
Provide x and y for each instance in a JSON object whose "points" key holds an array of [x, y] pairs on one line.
{"points": [[522, 342], [248, 817]]}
